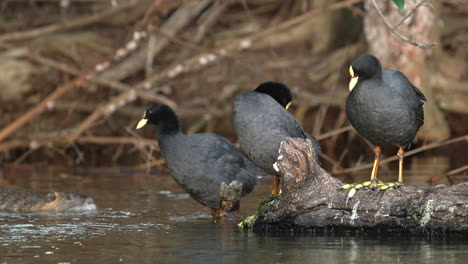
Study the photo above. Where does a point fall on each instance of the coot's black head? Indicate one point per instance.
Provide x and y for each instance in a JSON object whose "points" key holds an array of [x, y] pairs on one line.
{"points": [[278, 91], [365, 67], [160, 115]]}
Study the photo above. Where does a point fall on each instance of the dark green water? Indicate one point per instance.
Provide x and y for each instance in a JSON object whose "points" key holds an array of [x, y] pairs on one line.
{"points": [[149, 219]]}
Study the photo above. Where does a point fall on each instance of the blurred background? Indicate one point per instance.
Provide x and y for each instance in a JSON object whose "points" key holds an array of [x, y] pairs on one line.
{"points": [[77, 75]]}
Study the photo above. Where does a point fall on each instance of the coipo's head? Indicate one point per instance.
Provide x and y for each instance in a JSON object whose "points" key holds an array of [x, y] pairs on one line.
{"points": [[69, 201], [278, 91], [364, 67]]}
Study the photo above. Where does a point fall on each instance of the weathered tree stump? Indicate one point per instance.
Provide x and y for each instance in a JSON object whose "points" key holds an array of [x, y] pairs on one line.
{"points": [[311, 199], [229, 202]]}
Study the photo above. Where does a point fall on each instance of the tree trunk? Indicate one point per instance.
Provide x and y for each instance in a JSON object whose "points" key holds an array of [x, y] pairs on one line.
{"points": [[312, 199]]}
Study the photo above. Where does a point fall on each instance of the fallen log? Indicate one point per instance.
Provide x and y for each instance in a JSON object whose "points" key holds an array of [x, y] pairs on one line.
{"points": [[313, 200]]}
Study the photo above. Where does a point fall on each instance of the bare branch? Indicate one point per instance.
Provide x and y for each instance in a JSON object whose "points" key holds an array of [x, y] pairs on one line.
{"points": [[81, 22], [18, 123], [334, 132], [410, 13], [34, 144], [192, 64], [409, 153], [452, 172], [202, 61], [396, 33]]}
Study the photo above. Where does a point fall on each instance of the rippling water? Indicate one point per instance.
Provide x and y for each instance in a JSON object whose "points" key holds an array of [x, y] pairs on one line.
{"points": [[149, 219]]}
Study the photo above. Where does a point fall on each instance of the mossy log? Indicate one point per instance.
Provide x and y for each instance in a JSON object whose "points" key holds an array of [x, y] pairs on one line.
{"points": [[311, 199]]}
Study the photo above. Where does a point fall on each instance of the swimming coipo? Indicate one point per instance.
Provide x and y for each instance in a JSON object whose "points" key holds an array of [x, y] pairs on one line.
{"points": [[24, 201]]}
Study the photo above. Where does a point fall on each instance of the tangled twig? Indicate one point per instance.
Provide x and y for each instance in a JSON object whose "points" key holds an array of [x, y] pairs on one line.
{"points": [[396, 33]]}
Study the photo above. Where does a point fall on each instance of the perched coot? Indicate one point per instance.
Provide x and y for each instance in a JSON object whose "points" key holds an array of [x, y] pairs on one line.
{"points": [[262, 121], [385, 108], [199, 163]]}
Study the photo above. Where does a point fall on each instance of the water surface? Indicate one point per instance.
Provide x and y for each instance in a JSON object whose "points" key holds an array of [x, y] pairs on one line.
{"points": [[147, 218]]}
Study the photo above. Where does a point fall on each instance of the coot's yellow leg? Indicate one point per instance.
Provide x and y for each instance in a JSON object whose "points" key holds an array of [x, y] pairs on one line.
{"points": [[400, 154], [385, 186], [373, 182], [276, 182], [377, 152]]}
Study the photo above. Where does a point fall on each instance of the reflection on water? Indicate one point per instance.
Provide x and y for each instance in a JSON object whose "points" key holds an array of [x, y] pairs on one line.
{"points": [[149, 219]]}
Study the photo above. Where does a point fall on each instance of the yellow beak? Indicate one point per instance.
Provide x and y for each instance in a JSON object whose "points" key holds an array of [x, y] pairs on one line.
{"points": [[142, 123], [354, 79], [352, 83], [288, 105]]}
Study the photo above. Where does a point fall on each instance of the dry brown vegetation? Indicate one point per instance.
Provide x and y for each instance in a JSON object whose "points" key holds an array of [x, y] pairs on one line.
{"points": [[75, 79]]}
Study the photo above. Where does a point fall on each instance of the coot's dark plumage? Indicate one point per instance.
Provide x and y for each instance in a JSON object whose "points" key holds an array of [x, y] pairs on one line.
{"points": [[262, 122], [199, 163], [383, 106]]}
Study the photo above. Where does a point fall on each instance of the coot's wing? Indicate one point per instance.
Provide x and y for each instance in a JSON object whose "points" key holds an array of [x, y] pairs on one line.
{"points": [[291, 127], [261, 124], [285, 123], [288, 126], [235, 166], [408, 92], [224, 163], [419, 109]]}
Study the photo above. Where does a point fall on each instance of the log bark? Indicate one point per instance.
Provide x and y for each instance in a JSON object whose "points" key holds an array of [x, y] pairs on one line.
{"points": [[311, 199]]}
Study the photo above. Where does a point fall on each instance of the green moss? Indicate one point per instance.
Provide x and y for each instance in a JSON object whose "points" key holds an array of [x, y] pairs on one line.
{"points": [[416, 210], [262, 205]]}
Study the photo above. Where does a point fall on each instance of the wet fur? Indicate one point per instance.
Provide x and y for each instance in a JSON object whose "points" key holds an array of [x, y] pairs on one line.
{"points": [[21, 200]]}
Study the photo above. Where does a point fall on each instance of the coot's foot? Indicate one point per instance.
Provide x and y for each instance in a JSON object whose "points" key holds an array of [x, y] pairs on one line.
{"points": [[353, 187], [376, 185], [372, 184], [388, 185]]}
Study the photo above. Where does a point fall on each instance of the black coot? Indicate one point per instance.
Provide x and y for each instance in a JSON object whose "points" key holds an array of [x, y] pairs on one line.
{"points": [[385, 108], [262, 121], [199, 163]]}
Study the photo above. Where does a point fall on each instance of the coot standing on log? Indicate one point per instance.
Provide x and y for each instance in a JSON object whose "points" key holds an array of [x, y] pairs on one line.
{"points": [[262, 121], [199, 163], [385, 108]]}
